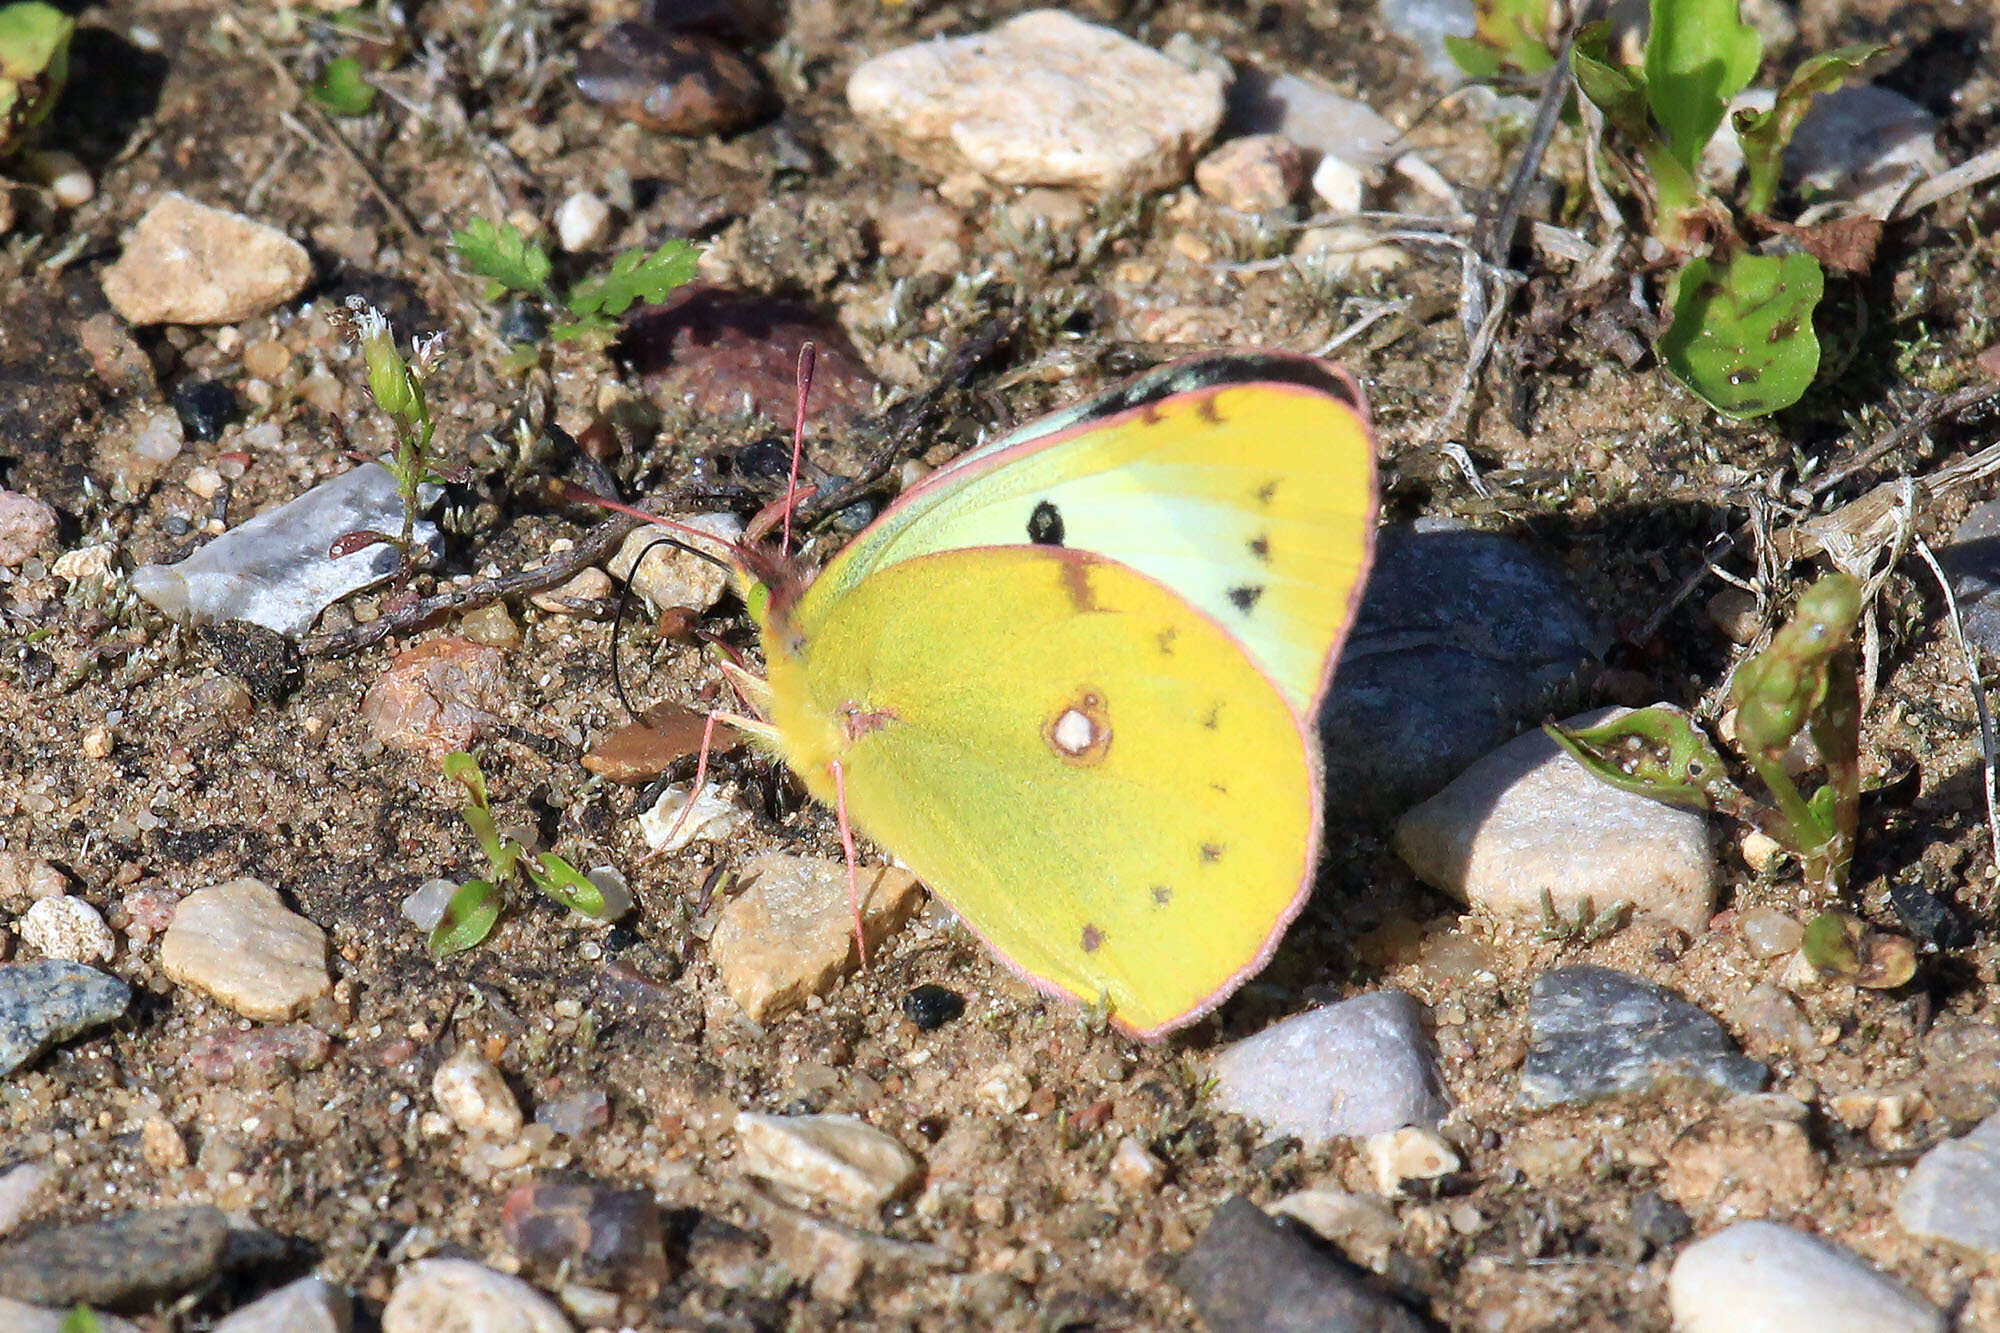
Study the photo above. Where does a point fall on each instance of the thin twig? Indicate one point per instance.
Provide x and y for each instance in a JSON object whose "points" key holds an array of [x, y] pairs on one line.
{"points": [[1971, 659]]}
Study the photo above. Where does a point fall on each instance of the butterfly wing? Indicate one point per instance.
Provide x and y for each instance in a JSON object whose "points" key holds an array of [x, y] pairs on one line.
{"points": [[1092, 772], [1244, 482]]}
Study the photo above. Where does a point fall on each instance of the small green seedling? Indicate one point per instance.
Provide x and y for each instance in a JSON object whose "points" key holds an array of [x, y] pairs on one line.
{"points": [[470, 915], [1804, 683], [343, 88], [80, 1319], [1843, 946], [396, 383], [1741, 333], [511, 262], [34, 64]]}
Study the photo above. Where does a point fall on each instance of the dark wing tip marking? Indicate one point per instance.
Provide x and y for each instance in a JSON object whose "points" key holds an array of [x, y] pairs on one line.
{"points": [[1267, 491], [1244, 596], [1045, 525], [1165, 639], [1260, 546], [1211, 852], [1162, 895]]}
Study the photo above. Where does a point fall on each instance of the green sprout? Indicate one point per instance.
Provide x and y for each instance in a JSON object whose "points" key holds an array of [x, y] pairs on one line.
{"points": [[511, 262], [1804, 683], [34, 64], [1741, 334], [80, 1319], [343, 88], [396, 383], [470, 915]]}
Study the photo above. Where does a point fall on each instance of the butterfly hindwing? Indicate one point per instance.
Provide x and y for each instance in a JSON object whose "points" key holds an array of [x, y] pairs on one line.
{"points": [[1086, 767], [1242, 482]]}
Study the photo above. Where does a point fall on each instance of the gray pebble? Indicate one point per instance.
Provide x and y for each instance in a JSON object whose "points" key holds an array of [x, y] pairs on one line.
{"points": [[1953, 1194], [1251, 1274], [1759, 1275], [1426, 23], [1595, 1032], [1461, 637], [1363, 1066], [49, 1002], [1973, 562], [130, 1258]]}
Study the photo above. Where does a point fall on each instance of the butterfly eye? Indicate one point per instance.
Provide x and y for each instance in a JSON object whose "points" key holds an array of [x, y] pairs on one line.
{"points": [[1045, 525]]}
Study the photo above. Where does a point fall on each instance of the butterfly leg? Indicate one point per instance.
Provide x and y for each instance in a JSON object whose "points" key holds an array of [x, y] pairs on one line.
{"points": [[700, 776], [847, 850]]}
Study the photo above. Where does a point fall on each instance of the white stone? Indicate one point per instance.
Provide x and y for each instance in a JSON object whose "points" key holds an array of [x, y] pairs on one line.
{"points": [[1340, 185], [309, 1305], [1364, 1228], [1953, 1193], [1409, 1153], [1134, 1168], [187, 263], [582, 222], [27, 526], [20, 1187], [1759, 1277], [575, 596], [160, 440], [239, 943], [1344, 250], [1359, 1067], [475, 1095], [1528, 819], [68, 928], [837, 1159], [459, 1296], [426, 905], [1006, 1088], [86, 564], [1042, 99], [1313, 116], [715, 818], [670, 577]]}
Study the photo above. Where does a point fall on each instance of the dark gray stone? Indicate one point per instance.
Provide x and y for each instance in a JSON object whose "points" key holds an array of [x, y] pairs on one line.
{"points": [[125, 1260], [1251, 1274], [45, 1003], [1595, 1032], [1461, 638], [1973, 562]]}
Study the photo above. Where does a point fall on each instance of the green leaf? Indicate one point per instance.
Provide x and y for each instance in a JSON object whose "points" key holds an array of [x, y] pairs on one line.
{"points": [[80, 1319], [1777, 692], [34, 65], [1829, 945], [1699, 54], [464, 769], [635, 276], [560, 881], [1765, 134], [502, 853], [1619, 91], [598, 329], [1656, 752], [1742, 333], [505, 256], [343, 88], [468, 919], [1506, 35]]}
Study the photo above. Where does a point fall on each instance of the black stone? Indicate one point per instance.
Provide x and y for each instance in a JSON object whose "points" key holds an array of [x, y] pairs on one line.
{"points": [[205, 407], [1928, 916], [1250, 1274], [523, 322], [1659, 1222], [930, 1007], [1595, 1032]]}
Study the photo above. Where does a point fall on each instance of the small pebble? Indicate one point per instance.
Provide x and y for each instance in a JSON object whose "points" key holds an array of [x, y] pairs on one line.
{"points": [[1006, 1088], [931, 1006], [1311, 115], [425, 907], [582, 222], [1042, 99], [205, 407], [674, 82], [790, 933], [44, 1003], [187, 263], [1759, 1275], [491, 627], [439, 696], [582, 595], [1365, 1228], [1595, 1032], [1363, 1066], [263, 1057], [1863, 144], [1133, 1168], [161, 1146], [238, 943], [586, 1229], [1410, 1153], [126, 1259], [475, 1095], [1255, 174], [459, 1296], [67, 928], [70, 183], [266, 360], [160, 439], [1769, 933], [613, 888], [25, 879], [20, 1187], [668, 577], [27, 528], [1953, 1193], [577, 1114], [838, 1159], [1250, 1272], [309, 1305], [715, 817], [1528, 820]]}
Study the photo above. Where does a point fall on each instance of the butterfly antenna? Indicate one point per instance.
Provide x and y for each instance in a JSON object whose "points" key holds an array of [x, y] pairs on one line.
{"points": [[808, 354], [847, 851], [618, 620]]}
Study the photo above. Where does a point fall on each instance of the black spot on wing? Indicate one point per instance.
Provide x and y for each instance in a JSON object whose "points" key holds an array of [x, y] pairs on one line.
{"points": [[1162, 895], [1093, 939], [1244, 597], [1211, 852], [1260, 547], [1165, 640], [1265, 494], [1045, 525], [1213, 718]]}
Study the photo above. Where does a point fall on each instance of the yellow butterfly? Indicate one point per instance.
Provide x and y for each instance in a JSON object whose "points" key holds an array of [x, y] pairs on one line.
{"points": [[1070, 679]]}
